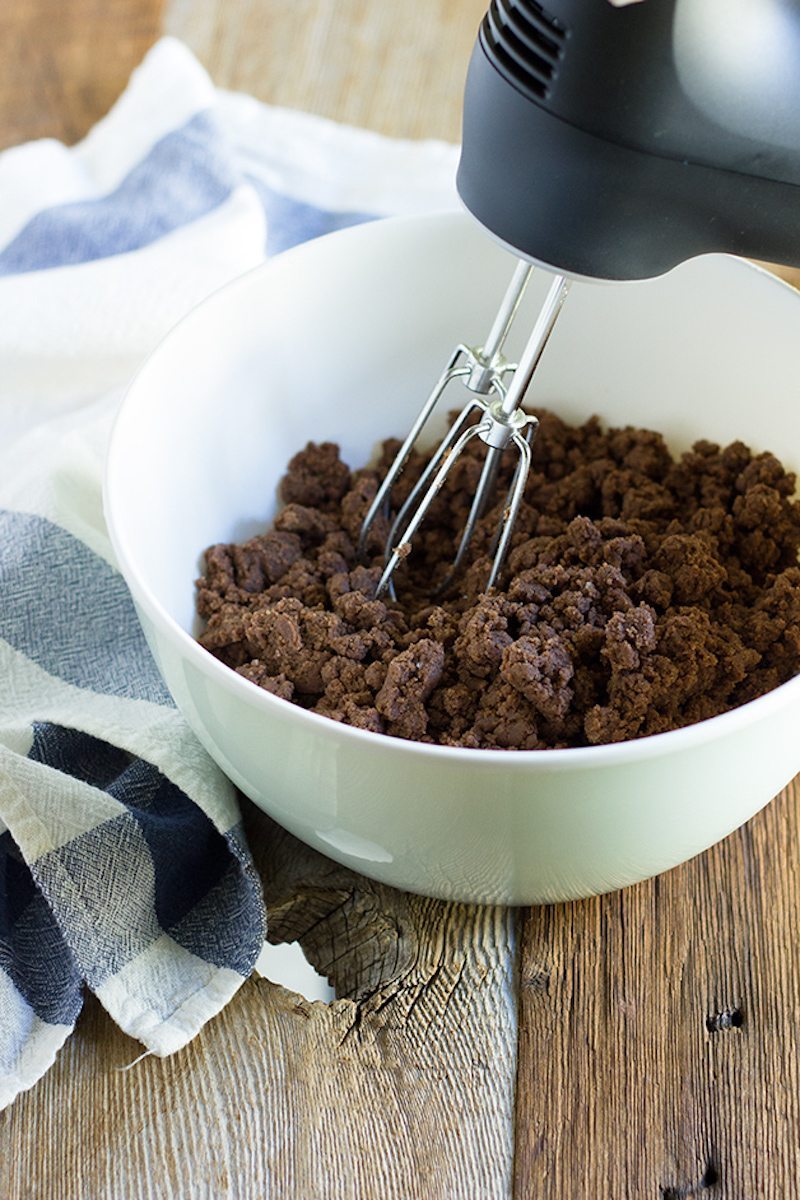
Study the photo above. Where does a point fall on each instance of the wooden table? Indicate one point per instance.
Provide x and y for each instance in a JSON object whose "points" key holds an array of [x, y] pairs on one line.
{"points": [[639, 1045]]}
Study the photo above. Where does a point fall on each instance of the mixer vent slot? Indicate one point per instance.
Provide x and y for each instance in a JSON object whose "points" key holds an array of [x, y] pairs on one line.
{"points": [[526, 42]]}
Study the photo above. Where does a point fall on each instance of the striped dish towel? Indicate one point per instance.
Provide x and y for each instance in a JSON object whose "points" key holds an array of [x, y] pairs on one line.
{"points": [[122, 862]]}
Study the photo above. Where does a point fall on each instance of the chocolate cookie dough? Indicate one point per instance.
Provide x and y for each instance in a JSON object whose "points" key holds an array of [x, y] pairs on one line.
{"points": [[641, 594]]}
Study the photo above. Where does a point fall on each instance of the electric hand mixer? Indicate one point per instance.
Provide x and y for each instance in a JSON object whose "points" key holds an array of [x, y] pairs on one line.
{"points": [[607, 143]]}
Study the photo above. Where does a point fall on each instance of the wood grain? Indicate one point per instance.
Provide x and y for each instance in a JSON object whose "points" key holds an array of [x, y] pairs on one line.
{"points": [[64, 62], [403, 1087], [659, 1031], [397, 68]]}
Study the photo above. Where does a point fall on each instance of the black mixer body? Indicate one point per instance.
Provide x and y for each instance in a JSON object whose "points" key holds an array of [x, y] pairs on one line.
{"points": [[605, 140], [616, 142]]}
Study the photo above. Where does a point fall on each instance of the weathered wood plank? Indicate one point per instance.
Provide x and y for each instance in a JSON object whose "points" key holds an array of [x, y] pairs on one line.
{"points": [[403, 1087], [659, 1031], [397, 68], [425, 1044], [66, 61]]}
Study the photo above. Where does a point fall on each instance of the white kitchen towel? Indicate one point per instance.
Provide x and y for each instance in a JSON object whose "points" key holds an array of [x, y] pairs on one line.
{"points": [[122, 862]]}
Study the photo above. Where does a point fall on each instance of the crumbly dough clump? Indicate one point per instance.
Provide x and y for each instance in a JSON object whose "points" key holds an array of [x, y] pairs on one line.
{"points": [[641, 594]]}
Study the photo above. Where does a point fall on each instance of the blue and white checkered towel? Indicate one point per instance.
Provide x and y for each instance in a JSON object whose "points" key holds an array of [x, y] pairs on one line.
{"points": [[122, 862]]}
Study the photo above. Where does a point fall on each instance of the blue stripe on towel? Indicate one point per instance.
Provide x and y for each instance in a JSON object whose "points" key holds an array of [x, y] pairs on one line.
{"points": [[226, 926], [70, 612], [202, 896], [187, 174], [32, 951], [100, 884], [290, 221], [205, 894]]}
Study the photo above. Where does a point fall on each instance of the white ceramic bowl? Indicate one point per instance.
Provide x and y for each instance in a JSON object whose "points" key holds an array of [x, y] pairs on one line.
{"points": [[340, 339]]}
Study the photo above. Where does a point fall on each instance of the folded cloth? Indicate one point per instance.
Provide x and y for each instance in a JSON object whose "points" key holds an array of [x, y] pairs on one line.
{"points": [[123, 866]]}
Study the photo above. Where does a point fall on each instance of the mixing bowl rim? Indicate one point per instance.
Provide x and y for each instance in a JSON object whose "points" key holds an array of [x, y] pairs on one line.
{"points": [[585, 757]]}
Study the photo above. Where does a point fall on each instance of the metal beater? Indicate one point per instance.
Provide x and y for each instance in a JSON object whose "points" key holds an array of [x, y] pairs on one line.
{"points": [[611, 143], [502, 422]]}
